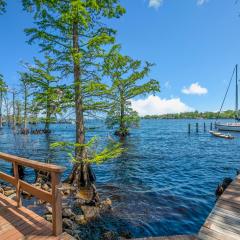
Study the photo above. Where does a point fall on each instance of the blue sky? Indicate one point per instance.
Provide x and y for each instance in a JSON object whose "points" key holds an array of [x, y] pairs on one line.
{"points": [[192, 42]]}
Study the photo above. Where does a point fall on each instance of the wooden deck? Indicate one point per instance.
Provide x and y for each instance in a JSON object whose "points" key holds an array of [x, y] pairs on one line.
{"points": [[223, 223], [177, 237], [21, 223]]}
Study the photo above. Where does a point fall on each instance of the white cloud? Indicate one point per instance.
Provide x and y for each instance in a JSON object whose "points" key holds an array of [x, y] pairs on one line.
{"points": [[155, 3], [195, 89], [201, 2], [155, 105]]}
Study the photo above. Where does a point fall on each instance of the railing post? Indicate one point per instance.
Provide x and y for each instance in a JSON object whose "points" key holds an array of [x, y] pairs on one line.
{"points": [[18, 193], [56, 204]]}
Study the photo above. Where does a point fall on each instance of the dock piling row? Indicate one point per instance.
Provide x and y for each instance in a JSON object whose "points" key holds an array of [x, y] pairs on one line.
{"points": [[197, 128]]}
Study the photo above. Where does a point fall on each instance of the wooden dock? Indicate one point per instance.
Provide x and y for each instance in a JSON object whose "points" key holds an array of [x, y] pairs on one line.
{"points": [[223, 223]]}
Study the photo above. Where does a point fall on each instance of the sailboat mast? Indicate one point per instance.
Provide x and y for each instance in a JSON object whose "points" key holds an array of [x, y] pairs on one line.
{"points": [[236, 92]]}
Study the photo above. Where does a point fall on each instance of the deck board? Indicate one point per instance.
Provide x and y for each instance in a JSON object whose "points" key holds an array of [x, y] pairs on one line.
{"points": [[23, 224], [176, 237], [223, 223]]}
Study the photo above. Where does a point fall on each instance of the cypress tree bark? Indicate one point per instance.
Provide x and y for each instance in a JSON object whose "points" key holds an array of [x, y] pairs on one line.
{"points": [[48, 115], [82, 174], [25, 107], [1, 99]]}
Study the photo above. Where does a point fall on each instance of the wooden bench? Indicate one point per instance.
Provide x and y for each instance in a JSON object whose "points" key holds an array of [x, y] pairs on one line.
{"points": [[54, 197]]}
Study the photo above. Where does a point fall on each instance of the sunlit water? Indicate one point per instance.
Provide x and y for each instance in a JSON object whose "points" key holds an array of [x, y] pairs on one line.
{"points": [[163, 184]]}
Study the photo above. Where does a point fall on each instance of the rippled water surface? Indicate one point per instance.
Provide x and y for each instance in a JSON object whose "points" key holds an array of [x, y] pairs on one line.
{"points": [[163, 184]]}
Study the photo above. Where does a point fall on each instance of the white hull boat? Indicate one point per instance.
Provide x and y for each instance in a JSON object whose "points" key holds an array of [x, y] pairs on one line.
{"points": [[221, 135], [228, 126], [231, 126]]}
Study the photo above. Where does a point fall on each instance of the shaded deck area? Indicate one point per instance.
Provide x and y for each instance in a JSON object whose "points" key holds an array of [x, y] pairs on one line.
{"points": [[21, 223]]}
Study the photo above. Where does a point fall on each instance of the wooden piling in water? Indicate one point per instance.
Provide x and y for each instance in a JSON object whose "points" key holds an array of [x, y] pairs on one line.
{"points": [[189, 128], [197, 127], [204, 127], [211, 126]]}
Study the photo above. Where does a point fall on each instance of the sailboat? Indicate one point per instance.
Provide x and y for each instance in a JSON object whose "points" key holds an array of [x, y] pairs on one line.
{"points": [[231, 126]]}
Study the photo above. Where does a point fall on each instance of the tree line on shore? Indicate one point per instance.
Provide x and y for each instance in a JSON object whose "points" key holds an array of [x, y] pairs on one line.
{"points": [[229, 114], [80, 70]]}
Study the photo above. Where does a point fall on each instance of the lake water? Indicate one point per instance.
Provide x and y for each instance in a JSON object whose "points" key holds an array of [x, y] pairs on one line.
{"points": [[163, 184]]}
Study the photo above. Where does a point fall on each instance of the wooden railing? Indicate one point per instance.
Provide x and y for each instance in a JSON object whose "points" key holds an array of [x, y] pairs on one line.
{"points": [[54, 197]]}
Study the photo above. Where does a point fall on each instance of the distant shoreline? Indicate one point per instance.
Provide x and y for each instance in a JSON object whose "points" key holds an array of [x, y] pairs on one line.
{"points": [[229, 114], [149, 118]]}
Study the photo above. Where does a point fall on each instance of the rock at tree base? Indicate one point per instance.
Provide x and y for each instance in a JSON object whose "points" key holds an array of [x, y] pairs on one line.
{"points": [[9, 192], [6, 188], [26, 194], [126, 235], [48, 217], [85, 194], [67, 223], [110, 236], [68, 213], [106, 205], [49, 209], [80, 219], [90, 212]]}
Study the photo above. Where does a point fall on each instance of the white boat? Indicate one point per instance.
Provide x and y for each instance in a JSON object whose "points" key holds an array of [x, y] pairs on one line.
{"points": [[234, 126], [221, 135], [231, 126]]}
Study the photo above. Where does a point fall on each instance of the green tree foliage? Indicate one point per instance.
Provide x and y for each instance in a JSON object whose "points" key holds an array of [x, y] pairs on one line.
{"points": [[74, 33], [126, 74], [95, 155], [3, 90], [2, 6], [47, 93]]}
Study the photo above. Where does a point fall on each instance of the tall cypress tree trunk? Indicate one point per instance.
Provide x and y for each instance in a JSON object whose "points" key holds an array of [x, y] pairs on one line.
{"points": [[8, 113], [25, 107], [14, 111], [82, 174], [123, 131], [48, 115], [122, 124], [18, 120], [1, 98]]}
